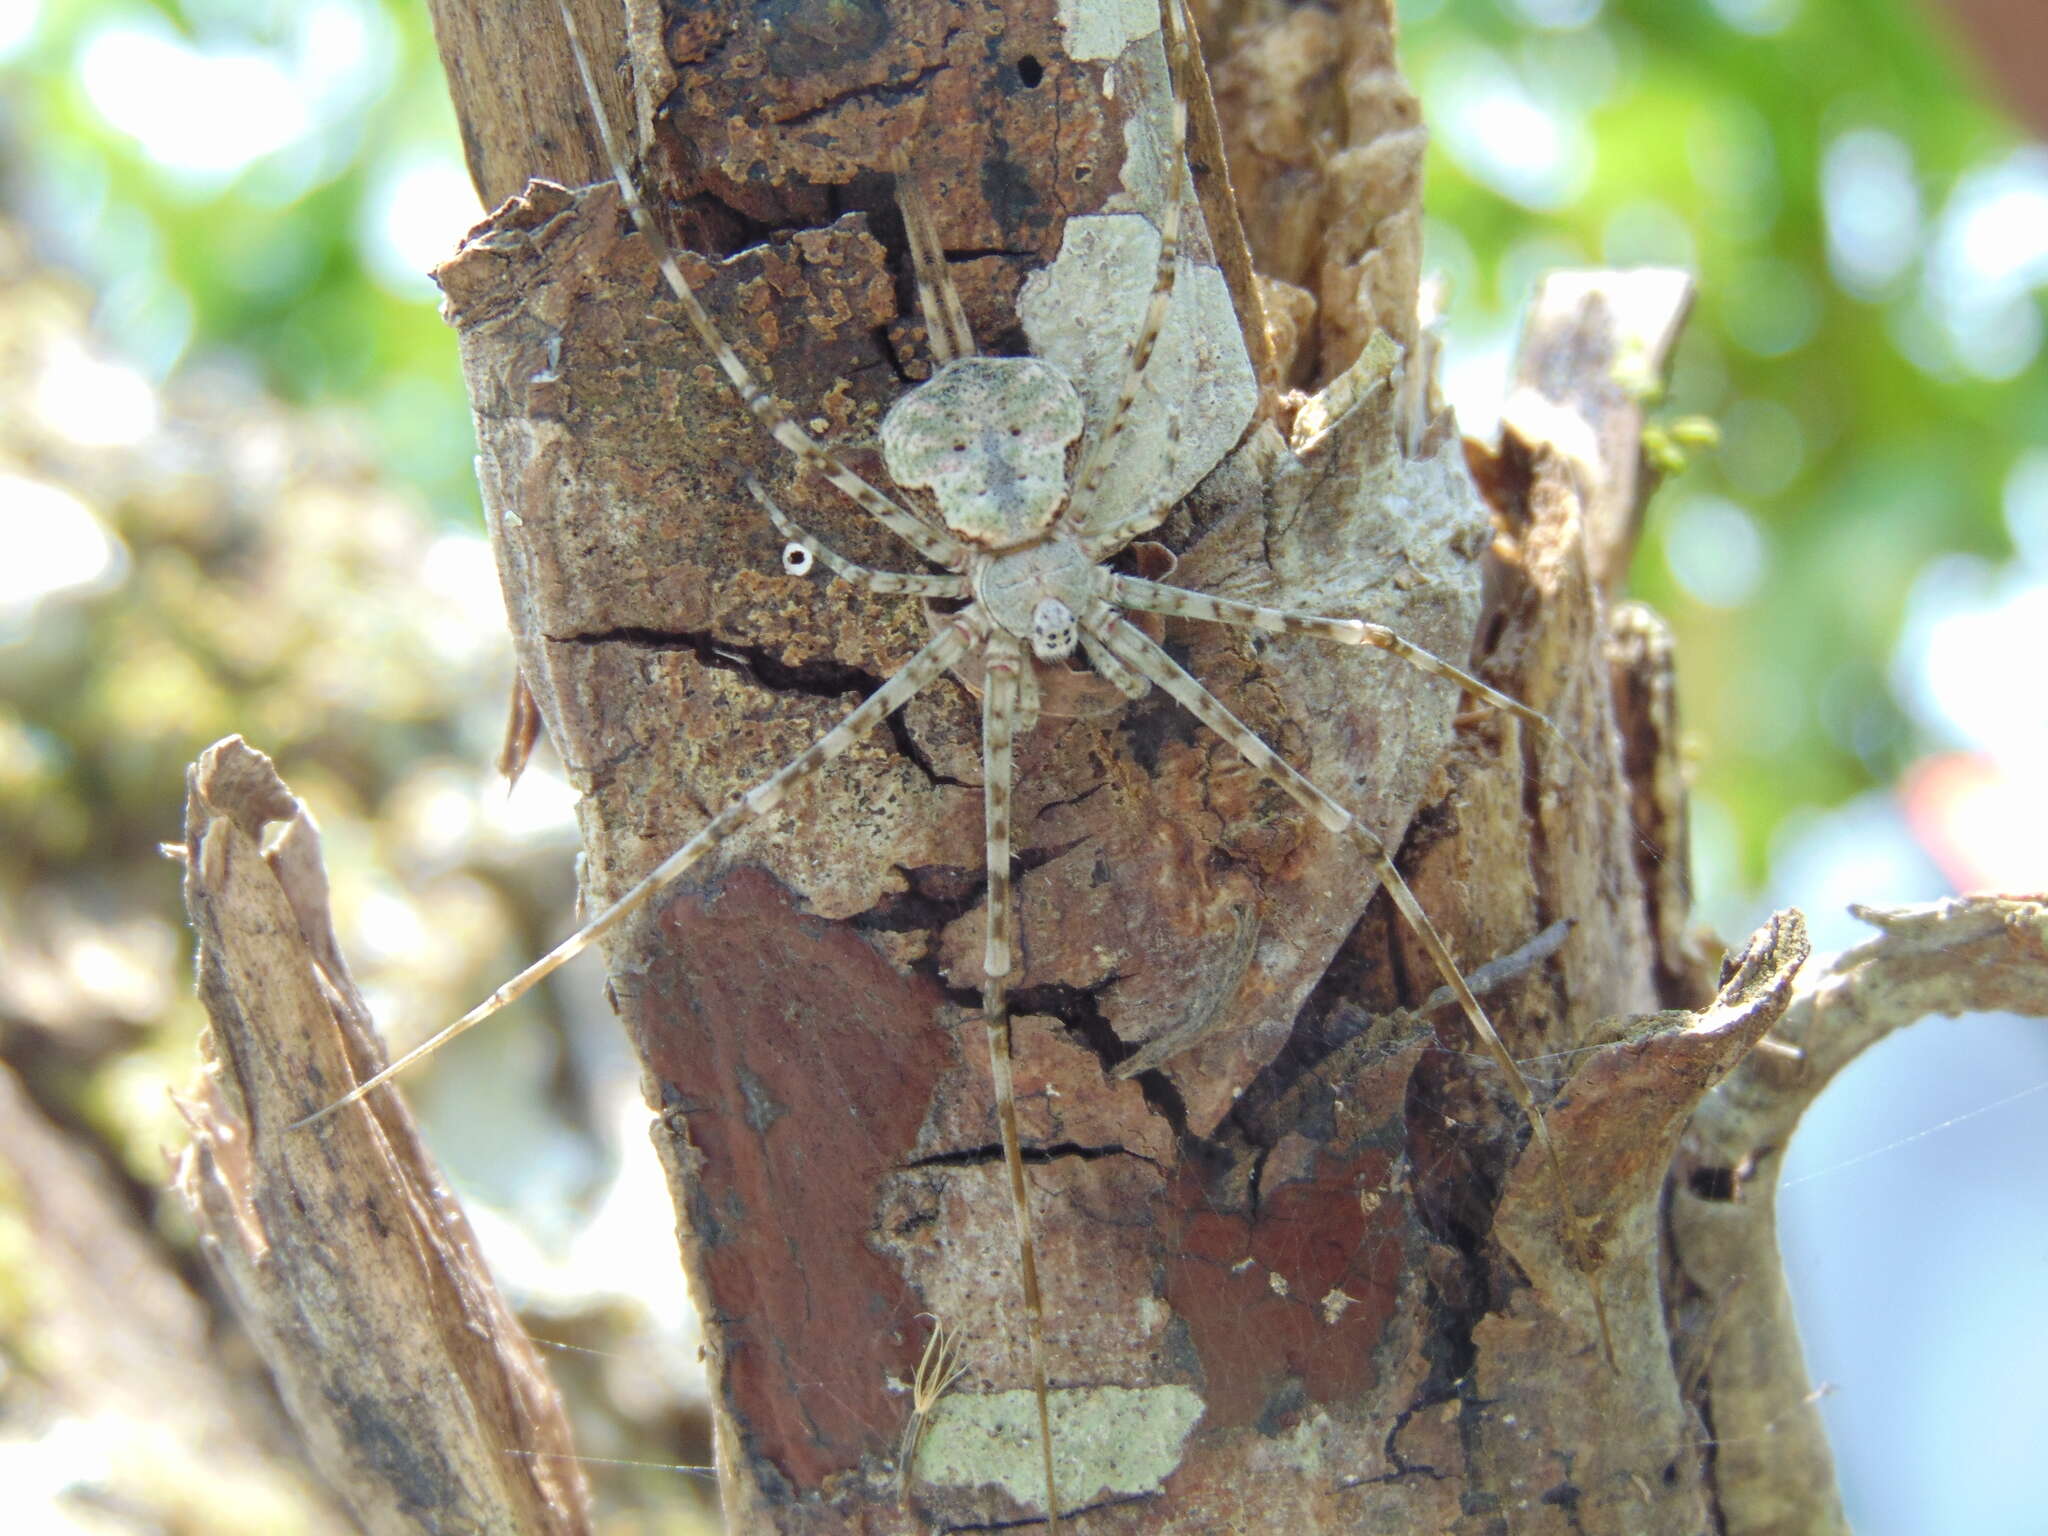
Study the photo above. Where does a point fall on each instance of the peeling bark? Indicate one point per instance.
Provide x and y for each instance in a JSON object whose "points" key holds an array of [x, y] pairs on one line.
{"points": [[1983, 954]]}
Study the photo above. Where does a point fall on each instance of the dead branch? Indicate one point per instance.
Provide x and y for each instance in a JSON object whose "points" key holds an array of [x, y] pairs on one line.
{"points": [[1980, 954], [409, 1379]]}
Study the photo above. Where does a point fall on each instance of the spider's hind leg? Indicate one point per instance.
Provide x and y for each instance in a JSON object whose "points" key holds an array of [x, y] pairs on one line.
{"points": [[938, 657], [1007, 667]]}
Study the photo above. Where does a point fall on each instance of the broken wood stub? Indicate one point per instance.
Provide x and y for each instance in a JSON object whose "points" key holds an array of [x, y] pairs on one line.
{"points": [[412, 1385]]}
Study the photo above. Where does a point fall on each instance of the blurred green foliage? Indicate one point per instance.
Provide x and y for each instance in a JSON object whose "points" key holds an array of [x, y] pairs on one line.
{"points": [[236, 492], [1862, 436], [1859, 439], [277, 260]]}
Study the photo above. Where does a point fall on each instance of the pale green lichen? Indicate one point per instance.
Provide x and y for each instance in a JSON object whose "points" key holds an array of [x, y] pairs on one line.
{"points": [[1102, 29], [1081, 314], [1107, 1441]]}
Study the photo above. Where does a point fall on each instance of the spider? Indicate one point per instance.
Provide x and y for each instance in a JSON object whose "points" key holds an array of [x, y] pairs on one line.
{"points": [[1008, 497]]}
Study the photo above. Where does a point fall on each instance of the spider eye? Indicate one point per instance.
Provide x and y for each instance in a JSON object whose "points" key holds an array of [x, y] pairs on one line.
{"points": [[796, 559]]}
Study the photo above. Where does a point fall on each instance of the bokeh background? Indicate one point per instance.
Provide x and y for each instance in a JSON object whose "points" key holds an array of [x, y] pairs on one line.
{"points": [[235, 495]]}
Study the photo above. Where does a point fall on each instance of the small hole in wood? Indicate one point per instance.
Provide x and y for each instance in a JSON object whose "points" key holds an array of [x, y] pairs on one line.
{"points": [[1030, 71], [1713, 1183]]}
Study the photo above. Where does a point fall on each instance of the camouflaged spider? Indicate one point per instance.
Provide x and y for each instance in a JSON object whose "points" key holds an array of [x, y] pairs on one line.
{"points": [[1005, 455]]}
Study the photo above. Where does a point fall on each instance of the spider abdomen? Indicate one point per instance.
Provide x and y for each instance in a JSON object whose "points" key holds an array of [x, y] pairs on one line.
{"points": [[988, 437]]}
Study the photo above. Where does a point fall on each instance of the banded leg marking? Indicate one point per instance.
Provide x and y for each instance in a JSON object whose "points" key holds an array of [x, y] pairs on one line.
{"points": [[945, 318], [1096, 460], [886, 582], [1102, 542], [935, 545], [1000, 704], [1157, 597], [1132, 646], [1110, 666], [939, 655]]}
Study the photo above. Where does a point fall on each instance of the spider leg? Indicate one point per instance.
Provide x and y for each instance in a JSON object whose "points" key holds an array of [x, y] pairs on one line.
{"points": [[939, 547], [937, 658], [945, 318], [1000, 702], [1095, 461], [1156, 597], [802, 543], [1029, 697], [1153, 663], [1100, 541], [1109, 665]]}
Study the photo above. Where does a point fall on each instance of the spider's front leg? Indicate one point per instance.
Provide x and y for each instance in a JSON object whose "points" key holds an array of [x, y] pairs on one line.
{"points": [[936, 545]]}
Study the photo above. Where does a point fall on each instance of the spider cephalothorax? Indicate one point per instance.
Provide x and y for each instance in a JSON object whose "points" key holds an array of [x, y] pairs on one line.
{"points": [[1036, 592]]}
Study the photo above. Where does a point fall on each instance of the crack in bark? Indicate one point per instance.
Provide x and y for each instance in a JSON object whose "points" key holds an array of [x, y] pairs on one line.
{"points": [[821, 679], [1153, 723], [991, 1154], [884, 93], [936, 896], [1082, 798], [1068, 1513]]}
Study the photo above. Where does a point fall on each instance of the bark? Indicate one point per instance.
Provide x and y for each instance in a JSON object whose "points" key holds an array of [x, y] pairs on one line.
{"points": [[1984, 954], [1293, 1262], [1302, 1273]]}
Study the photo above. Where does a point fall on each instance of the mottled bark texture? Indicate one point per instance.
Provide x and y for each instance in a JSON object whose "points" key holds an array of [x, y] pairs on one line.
{"points": [[1301, 1274]]}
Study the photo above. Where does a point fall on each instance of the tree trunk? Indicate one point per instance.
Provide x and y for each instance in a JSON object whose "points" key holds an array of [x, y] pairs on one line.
{"points": [[1302, 1272]]}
